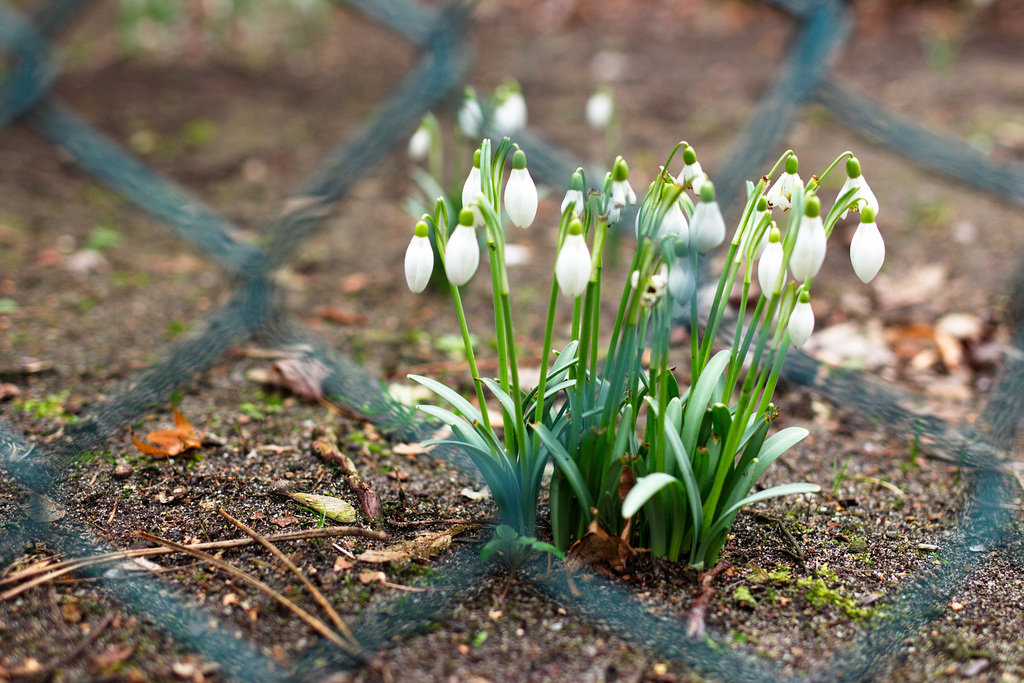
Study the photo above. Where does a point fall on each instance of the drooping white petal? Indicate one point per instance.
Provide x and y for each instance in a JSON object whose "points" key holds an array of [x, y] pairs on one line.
{"points": [[781, 192], [674, 223], [863, 198], [470, 117], [770, 270], [809, 249], [576, 198], [462, 255], [693, 173], [419, 144], [470, 191], [681, 281], [801, 323], [867, 251], [707, 227], [419, 263], [521, 197], [510, 115], [600, 108], [572, 268]]}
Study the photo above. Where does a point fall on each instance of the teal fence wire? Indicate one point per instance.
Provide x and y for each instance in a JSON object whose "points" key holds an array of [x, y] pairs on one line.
{"points": [[254, 313]]}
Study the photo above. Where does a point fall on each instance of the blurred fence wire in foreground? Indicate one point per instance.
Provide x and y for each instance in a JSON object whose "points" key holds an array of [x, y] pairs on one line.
{"points": [[254, 313]]}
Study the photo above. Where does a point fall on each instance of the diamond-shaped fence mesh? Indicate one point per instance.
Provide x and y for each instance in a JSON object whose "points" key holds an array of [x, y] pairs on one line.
{"points": [[254, 313]]}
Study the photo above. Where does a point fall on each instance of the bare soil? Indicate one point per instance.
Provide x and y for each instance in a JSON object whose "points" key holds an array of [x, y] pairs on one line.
{"points": [[806, 577]]}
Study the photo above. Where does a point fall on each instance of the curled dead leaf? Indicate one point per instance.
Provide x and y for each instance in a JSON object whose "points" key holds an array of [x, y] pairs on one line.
{"points": [[167, 443], [597, 546]]}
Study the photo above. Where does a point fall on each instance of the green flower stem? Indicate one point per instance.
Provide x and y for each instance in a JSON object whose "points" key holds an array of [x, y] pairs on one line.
{"points": [[549, 332], [695, 368], [841, 157], [717, 309], [470, 355]]}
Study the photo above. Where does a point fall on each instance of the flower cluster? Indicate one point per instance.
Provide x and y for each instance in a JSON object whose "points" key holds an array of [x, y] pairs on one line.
{"points": [[694, 453]]}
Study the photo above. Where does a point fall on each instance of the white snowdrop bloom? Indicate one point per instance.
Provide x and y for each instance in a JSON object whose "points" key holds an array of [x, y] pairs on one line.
{"points": [[656, 286], [462, 253], [573, 266], [681, 281], [769, 267], [470, 116], [419, 259], [419, 144], [472, 187], [692, 175], [863, 197], [707, 225], [801, 321], [867, 250], [510, 112], [520, 193], [600, 109], [674, 224], [809, 248], [621, 192], [781, 193], [574, 195]]}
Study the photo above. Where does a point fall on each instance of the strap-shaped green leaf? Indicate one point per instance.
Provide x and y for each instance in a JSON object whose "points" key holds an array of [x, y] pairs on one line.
{"points": [[457, 402], [643, 490], [675, 446], [567, 465], [700, 396]]}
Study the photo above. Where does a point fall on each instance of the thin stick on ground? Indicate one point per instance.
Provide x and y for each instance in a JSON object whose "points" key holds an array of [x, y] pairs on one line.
{"points": [[48, 573], [695, 625], [315, 623], [317, 595]]}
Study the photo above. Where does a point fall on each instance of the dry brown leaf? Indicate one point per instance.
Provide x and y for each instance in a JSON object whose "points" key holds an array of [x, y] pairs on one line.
{"points": [[598, 547], [167, 443], [340, 316], [370, 576], [423, 547], [304, 377], [285, 521]]}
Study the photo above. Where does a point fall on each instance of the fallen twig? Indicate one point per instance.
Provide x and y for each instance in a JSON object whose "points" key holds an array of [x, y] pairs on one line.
{"points": [[881, 482], [316, 624], [695, 625], [317, 595], [43, 574]]}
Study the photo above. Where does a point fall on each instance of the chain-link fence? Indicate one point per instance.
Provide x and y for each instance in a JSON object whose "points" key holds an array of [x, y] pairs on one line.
{"points": [[254, 313]]}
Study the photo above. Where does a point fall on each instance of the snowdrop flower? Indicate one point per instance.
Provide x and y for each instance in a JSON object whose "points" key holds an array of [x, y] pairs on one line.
{"points": [[470, 116], [574, 195], [520, 192], [674, 224], [419, 259], [867, 250], [801, 320], [600, 109], [770, 273], [809, 249], [781, 192], [471, 188], [621, 192], [681, 281], [692, 174], [707, 226], [510, 112], [419, 144], [573, 266], [863, 197], [462, 253], [656, 286]]}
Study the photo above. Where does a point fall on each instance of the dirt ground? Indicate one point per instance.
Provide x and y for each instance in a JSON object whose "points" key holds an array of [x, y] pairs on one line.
{"points": [[92, 291]]}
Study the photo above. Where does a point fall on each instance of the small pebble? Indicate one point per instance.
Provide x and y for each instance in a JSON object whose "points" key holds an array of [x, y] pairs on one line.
{"points": [[123, 470]]}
